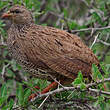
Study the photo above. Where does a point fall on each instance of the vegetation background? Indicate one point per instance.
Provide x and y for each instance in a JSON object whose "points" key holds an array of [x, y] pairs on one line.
{"points": [[89, 19]]}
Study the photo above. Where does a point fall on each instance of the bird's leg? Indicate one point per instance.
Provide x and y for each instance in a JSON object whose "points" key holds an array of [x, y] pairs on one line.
{"points": [[47, 89], [37, 87], [33, 95]]}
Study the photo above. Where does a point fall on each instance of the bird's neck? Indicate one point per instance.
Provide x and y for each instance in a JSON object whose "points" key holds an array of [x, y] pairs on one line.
{"points": [[19, 30], [21, 27]]}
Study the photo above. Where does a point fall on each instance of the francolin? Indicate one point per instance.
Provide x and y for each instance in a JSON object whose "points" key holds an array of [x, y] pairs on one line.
{"points": [[47, 52]]}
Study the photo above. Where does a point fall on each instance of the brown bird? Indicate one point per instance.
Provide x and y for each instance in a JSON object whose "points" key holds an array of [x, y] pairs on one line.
{"points": [[47, 52]]}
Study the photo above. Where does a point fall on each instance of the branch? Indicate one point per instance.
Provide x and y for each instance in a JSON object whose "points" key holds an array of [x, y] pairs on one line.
{"points": [[89, 29], [104, 53], [105, 43], [99, 91], [3, 70], [95, 40], [2, 43], [88, 87], [43, 102]]}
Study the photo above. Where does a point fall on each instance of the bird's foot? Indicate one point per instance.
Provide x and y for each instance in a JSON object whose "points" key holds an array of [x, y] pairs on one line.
{"points": [[32, 96]]}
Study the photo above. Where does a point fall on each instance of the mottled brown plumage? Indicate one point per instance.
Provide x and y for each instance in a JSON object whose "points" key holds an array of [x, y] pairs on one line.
{"points": [[46, 49]]}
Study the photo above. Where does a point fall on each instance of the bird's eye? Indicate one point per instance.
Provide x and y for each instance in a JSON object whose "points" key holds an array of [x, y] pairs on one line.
{"points": [[16, 11]]}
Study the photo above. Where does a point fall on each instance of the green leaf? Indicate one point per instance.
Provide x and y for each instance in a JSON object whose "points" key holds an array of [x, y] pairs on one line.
{"points": [[109, 101], [100, 98], [103, 105], [82, 86], [95, 71], [11, 103], [96, 103], [80, 76], [77, 81], [96, 17], [72, 25], [65, 12], [5, 107], [10, 72], [100, 76], [2, 100], [94, 51], [3, 90], [20, 94], [27, 93]]}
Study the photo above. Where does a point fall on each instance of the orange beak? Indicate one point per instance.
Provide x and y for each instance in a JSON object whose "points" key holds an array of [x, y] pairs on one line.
{"points": [[6, 15]]}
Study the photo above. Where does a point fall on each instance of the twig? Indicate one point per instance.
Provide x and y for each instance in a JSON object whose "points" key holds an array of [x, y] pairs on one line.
{"points": [[95, 40], [2, 43], [77, 105], [59, 19], [56, 81], [43, 102], [104, 53], [88, 87], [60, 16], [92, 32], [85, 3], [99, 91], [89, 29], [3, 70], [89, 106], [70, 94], [105, 43]]}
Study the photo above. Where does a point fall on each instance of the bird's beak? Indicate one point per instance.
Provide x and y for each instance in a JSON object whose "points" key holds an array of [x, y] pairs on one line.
{"points": [[6, 15]]}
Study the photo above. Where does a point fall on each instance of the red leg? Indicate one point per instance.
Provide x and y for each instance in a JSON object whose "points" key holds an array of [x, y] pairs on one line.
{"points": [[33, 95], [47, 89], [105, 87], [37, 87]]}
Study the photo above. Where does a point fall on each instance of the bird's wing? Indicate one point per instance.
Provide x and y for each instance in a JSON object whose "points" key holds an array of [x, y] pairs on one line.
{"points": [[63, 52]]}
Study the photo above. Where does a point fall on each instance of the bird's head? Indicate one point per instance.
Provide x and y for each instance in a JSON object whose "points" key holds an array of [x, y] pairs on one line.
{"points": [[18, 15]]}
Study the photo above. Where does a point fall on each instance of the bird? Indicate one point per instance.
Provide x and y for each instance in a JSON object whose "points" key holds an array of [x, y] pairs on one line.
{"points": [[47, 52]]}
